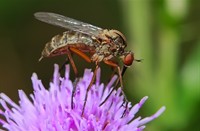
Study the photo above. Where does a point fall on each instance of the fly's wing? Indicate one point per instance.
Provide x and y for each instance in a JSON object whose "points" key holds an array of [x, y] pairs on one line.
{"points": [[68, 23]]}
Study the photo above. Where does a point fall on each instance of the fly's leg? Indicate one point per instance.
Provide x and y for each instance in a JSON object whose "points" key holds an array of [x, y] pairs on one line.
{"points": [[85, 57], [90, 85], [124, 68], [113, 64], [63, 65], [113, 73], [74, 83], [75, 72], [80, 53], [120, 73], [72, 62]]}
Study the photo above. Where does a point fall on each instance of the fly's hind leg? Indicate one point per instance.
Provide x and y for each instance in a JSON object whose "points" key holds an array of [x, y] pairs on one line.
{"points": [[90, 85], [75, 72], [86, 58], [63, 65]]}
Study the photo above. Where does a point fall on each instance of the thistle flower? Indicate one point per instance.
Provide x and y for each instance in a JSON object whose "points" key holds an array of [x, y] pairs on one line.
{"points": [[50, 110]]}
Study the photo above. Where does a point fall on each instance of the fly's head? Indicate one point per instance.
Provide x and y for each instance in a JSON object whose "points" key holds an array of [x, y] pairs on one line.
{"points": [[127, 58], [118, 48]]}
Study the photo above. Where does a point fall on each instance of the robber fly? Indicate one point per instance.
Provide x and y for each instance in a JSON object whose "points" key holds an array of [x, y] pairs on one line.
{"points": [[90, 42]]}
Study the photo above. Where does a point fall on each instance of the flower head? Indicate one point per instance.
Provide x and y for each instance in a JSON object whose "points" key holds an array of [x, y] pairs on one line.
{"points": [[50, 109]]}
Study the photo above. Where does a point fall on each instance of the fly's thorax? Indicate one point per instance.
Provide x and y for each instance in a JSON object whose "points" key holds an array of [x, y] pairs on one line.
{"points": [[118, 43], [112, 45], [101, 51]]}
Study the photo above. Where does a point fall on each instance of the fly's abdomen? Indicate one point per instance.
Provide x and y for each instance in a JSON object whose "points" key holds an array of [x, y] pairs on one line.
{"points": [[71, 37], [59, 43]]}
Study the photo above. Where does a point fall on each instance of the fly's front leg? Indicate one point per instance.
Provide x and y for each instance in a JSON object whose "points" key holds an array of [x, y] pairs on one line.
{"points": [[122, 74], [114, 71], [113, 64]]}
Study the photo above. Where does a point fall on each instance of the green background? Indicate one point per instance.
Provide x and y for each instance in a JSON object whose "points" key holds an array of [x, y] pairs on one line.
{"points": [[165, 33]]}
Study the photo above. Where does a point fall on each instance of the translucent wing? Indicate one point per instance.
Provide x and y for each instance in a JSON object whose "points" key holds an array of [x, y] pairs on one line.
{"points": [[68, 23]]}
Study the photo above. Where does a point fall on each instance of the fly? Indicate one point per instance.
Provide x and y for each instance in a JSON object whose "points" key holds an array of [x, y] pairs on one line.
{"points": [[90, 42]]}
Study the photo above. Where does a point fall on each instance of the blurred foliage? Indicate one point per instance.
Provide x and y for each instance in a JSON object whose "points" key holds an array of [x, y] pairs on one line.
{"points": [[165, 33]]}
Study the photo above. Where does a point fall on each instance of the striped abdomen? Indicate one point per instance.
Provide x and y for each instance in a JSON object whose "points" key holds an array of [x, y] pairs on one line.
{"points": [[59, 44]]}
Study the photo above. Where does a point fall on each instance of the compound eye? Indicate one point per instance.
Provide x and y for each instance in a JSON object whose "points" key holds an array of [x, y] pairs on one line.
{"points": [[128, 59]]}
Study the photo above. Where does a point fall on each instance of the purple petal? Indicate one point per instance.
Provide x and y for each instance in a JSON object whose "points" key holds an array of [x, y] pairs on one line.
{"points": [[50, 109]]}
